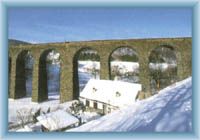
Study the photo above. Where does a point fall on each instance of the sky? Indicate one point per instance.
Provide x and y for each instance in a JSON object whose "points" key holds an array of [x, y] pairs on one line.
{"points": [[42, 25]]}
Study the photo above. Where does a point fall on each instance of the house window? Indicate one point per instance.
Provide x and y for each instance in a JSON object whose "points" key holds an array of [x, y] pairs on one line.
{"points": [[95, 105], [94, 89], [109, 110], [104, 108], [87, 103], [118, 94]]}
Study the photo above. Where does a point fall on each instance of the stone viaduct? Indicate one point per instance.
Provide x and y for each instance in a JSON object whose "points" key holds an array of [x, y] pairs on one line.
{"points": [[69, 68]]}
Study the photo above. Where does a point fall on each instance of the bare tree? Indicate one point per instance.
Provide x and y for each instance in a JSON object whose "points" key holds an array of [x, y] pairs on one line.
{"points": [[24, 116], [157, 75], [94, 70], [116, 71]]}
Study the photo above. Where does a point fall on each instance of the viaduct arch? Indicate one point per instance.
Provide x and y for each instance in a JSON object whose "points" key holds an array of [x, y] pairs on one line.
{"points": [[68, 52]]}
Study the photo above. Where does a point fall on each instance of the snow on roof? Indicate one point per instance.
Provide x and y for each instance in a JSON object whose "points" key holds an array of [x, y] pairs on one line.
{"points": [[57, 120], [168, 111], [116, 93]]}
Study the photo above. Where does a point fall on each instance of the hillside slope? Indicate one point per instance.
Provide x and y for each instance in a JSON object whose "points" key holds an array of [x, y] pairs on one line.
{"points": [[13, 42], [168, 111]]}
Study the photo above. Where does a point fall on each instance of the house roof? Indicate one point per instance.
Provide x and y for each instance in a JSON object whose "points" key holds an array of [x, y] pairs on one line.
{"points": [[57, 120], [115, 93]]}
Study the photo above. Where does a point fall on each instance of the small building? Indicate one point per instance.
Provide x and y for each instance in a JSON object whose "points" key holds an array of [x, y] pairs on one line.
{"points": [[106, 95], [57, 121]]}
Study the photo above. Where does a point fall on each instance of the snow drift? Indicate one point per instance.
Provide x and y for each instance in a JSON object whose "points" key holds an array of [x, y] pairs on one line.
{"points": [[168, 111]]}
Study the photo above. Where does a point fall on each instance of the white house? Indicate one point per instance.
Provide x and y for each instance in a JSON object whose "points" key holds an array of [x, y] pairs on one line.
{"points": [[106, 95]]}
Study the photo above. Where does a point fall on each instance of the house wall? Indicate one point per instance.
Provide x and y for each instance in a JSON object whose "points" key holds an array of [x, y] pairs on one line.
{"points": [[103, 108]]}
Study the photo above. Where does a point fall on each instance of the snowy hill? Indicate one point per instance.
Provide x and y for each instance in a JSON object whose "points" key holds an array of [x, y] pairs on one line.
{"points": [[14, 42], [168, 111]]}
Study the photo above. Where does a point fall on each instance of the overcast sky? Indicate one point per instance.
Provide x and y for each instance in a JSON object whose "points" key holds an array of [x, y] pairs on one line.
{"points": [[40, 25]]}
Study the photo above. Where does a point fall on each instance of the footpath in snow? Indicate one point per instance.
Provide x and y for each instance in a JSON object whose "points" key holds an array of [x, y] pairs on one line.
{"points": [[168, 111]]}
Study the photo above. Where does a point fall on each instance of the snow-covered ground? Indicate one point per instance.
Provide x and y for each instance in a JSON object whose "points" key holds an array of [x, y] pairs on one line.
{"points": [[85, 66], [89, 116], [161, 66], [168, 111], [85, 72], [26, 108], [125, 67], [25, 105]]}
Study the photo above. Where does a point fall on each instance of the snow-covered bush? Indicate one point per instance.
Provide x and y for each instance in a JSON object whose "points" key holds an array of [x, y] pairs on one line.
{"points": [[76, 108]]}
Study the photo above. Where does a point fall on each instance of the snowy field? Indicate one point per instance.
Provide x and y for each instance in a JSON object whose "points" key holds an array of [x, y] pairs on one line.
{"points": [[26, 108], [85, 66], [85, 74], [125, 67], [161, 66], [168, 111], [24, 105]]}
